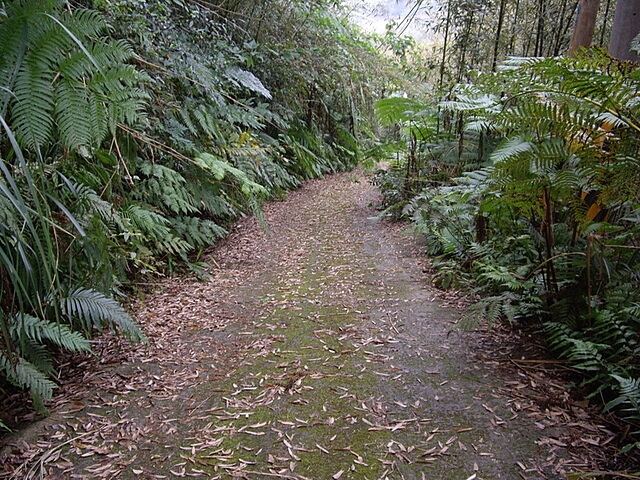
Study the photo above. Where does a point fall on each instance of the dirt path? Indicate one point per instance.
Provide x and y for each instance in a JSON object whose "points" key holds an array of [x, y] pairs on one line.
{"points": [[315, 351]]}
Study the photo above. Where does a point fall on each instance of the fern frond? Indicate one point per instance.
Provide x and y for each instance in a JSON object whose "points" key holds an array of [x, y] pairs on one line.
{"points": [[33, 105], [167, 187], [93, 309], [25, 375], [63, 66], [38, 355], [509, 148], [150, 223], [392, 110], [219, 168], [24, 325], [84, 22], [629, 396], [196, 231], [154, 230], [470, 102], [73, 119], [184, 115], [246, 79]]}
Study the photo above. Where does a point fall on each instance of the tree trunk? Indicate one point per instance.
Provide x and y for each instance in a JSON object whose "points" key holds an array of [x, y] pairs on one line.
{"points": [[460, 132], [496, 43], [514, 27], [567, 25], [542, 11], [626, 26], [462, 66], [443, 62], [585, 25], [561, 28], [604, 23]]}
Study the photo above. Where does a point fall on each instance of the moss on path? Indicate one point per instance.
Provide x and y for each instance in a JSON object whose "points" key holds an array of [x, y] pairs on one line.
{"points": [[315, 351]]}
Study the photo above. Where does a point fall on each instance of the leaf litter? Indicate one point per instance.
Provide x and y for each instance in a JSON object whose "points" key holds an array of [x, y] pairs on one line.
{"points": [[315, 350]]}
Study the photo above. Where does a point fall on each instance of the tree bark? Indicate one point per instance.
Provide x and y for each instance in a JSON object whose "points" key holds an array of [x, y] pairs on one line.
{"points": [[585, 25], [496, 43], [604, 22], [542, 10], [561, 27], [514, 28], [626, 26], [443, 62], [466, 39]]}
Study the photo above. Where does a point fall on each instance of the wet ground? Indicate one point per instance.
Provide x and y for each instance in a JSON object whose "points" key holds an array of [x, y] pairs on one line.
{"points": [[315, 351]]}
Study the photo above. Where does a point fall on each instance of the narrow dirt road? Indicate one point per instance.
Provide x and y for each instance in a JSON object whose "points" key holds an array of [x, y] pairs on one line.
{"points": [[315, 351]]}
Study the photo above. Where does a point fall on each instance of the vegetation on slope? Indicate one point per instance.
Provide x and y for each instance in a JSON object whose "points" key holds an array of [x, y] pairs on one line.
{"points": [[134, 132], [525, 183]]}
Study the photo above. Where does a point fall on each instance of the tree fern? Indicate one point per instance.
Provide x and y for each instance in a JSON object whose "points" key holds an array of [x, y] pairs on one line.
{"points": [[398, 109], [550, 229], [510, 148]]}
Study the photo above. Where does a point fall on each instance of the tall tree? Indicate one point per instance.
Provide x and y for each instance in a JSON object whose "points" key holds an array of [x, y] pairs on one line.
{"points": [[496, 43], [604, 23], [585, 25], [626, 26], [443, 63], [542, 10], [564, 24]]}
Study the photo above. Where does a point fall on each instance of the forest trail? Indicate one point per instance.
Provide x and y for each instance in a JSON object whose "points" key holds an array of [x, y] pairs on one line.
{"points": [[316, 350]]}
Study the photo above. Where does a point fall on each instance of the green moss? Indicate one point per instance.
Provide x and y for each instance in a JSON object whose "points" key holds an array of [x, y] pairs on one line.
{"points": [[313, 378]]}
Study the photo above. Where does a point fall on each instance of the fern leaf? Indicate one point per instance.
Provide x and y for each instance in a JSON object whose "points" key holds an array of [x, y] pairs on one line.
{"points": [[25, 375], [247, 80], [39, 355], [510, 148], [197, 232], [42, 330], [392, 110], [94, 310], [73, 117], [33, 106], [629, 395]]}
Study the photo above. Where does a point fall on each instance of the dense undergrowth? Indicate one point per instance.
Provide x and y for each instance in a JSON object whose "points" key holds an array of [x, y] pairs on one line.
{"points": [[134, 132], [526, 185]]}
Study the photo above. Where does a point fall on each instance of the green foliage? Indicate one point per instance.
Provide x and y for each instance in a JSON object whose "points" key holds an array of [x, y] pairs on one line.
{"points": [[393, 110], [548, 229], [36, 314], [65, 89], [93, 309], [57, 76], [110, 169]]}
